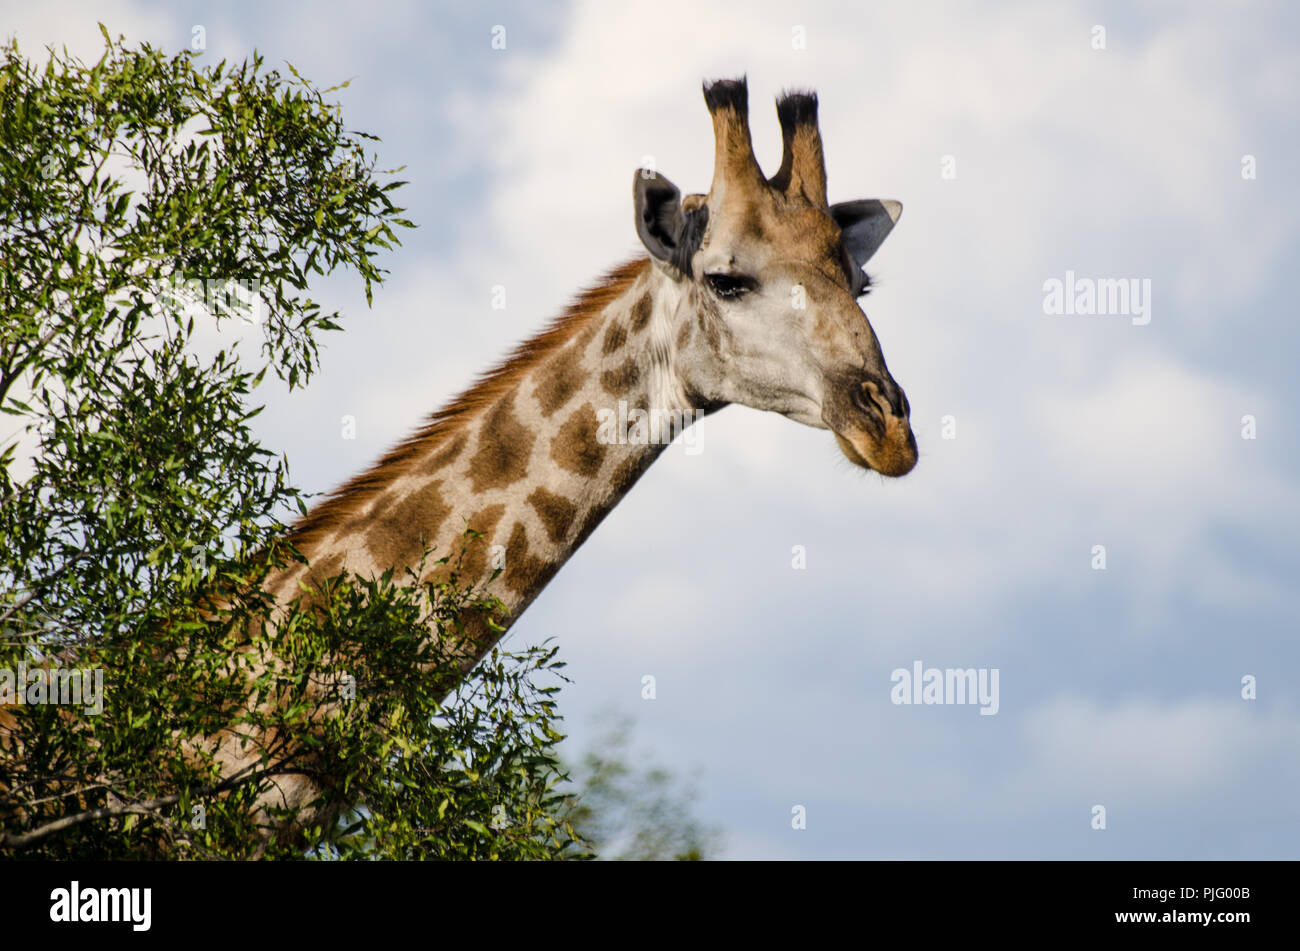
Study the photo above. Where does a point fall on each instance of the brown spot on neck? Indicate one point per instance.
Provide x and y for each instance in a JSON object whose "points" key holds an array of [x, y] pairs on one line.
{"points": [[615, 337], [560, 379], [620, 380], [399, 529], [575, 447], [504, 445], [555, 511], [525, 573], [471, 562], [640, 313], [445, 455]]}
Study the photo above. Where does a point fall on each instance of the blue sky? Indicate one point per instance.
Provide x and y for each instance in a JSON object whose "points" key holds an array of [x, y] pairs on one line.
{"points": [[1119, 687]]}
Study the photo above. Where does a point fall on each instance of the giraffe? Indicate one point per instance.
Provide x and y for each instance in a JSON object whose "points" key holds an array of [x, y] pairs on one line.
{"points": [[747, 294]]}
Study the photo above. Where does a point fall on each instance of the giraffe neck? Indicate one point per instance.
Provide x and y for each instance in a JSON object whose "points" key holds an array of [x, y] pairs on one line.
{"points": [[533, 458]]}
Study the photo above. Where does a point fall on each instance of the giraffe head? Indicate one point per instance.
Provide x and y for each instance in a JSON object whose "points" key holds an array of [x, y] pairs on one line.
{"points": [[769, 273]]}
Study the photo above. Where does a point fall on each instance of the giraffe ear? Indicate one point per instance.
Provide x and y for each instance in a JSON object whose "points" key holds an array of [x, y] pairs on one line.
{"points": [[668, 232], [865, 224]]}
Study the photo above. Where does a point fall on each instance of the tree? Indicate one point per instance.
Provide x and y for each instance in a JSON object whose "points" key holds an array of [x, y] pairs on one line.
{"points": [[140, 198], [139, 515]]}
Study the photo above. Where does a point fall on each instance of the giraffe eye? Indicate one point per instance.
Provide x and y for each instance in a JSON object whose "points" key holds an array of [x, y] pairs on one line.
{"points": [[730, 286]]}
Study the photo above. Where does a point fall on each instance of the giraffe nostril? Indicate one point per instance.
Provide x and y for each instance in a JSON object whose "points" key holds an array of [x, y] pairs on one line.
{"points": [[866, 397], [863, 400]]}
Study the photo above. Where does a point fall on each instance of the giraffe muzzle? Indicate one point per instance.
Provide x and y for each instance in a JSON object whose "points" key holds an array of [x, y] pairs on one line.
{"points": [[877, 434]]}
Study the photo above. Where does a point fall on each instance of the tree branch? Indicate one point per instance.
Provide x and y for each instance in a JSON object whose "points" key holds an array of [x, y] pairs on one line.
{"points": [[22, 840]]}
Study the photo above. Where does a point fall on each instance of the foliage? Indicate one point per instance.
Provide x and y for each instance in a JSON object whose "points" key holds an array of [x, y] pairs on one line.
{"points": [[139, 515], [146, 203]]}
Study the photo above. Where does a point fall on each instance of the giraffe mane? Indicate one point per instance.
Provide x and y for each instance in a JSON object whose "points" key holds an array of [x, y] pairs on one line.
{"points": [[451, 419]]}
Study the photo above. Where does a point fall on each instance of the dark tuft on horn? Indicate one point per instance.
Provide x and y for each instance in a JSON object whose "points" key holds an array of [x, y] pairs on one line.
{"points": [[734, 165], [727, 94], [796, 108], [802, 166]]}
